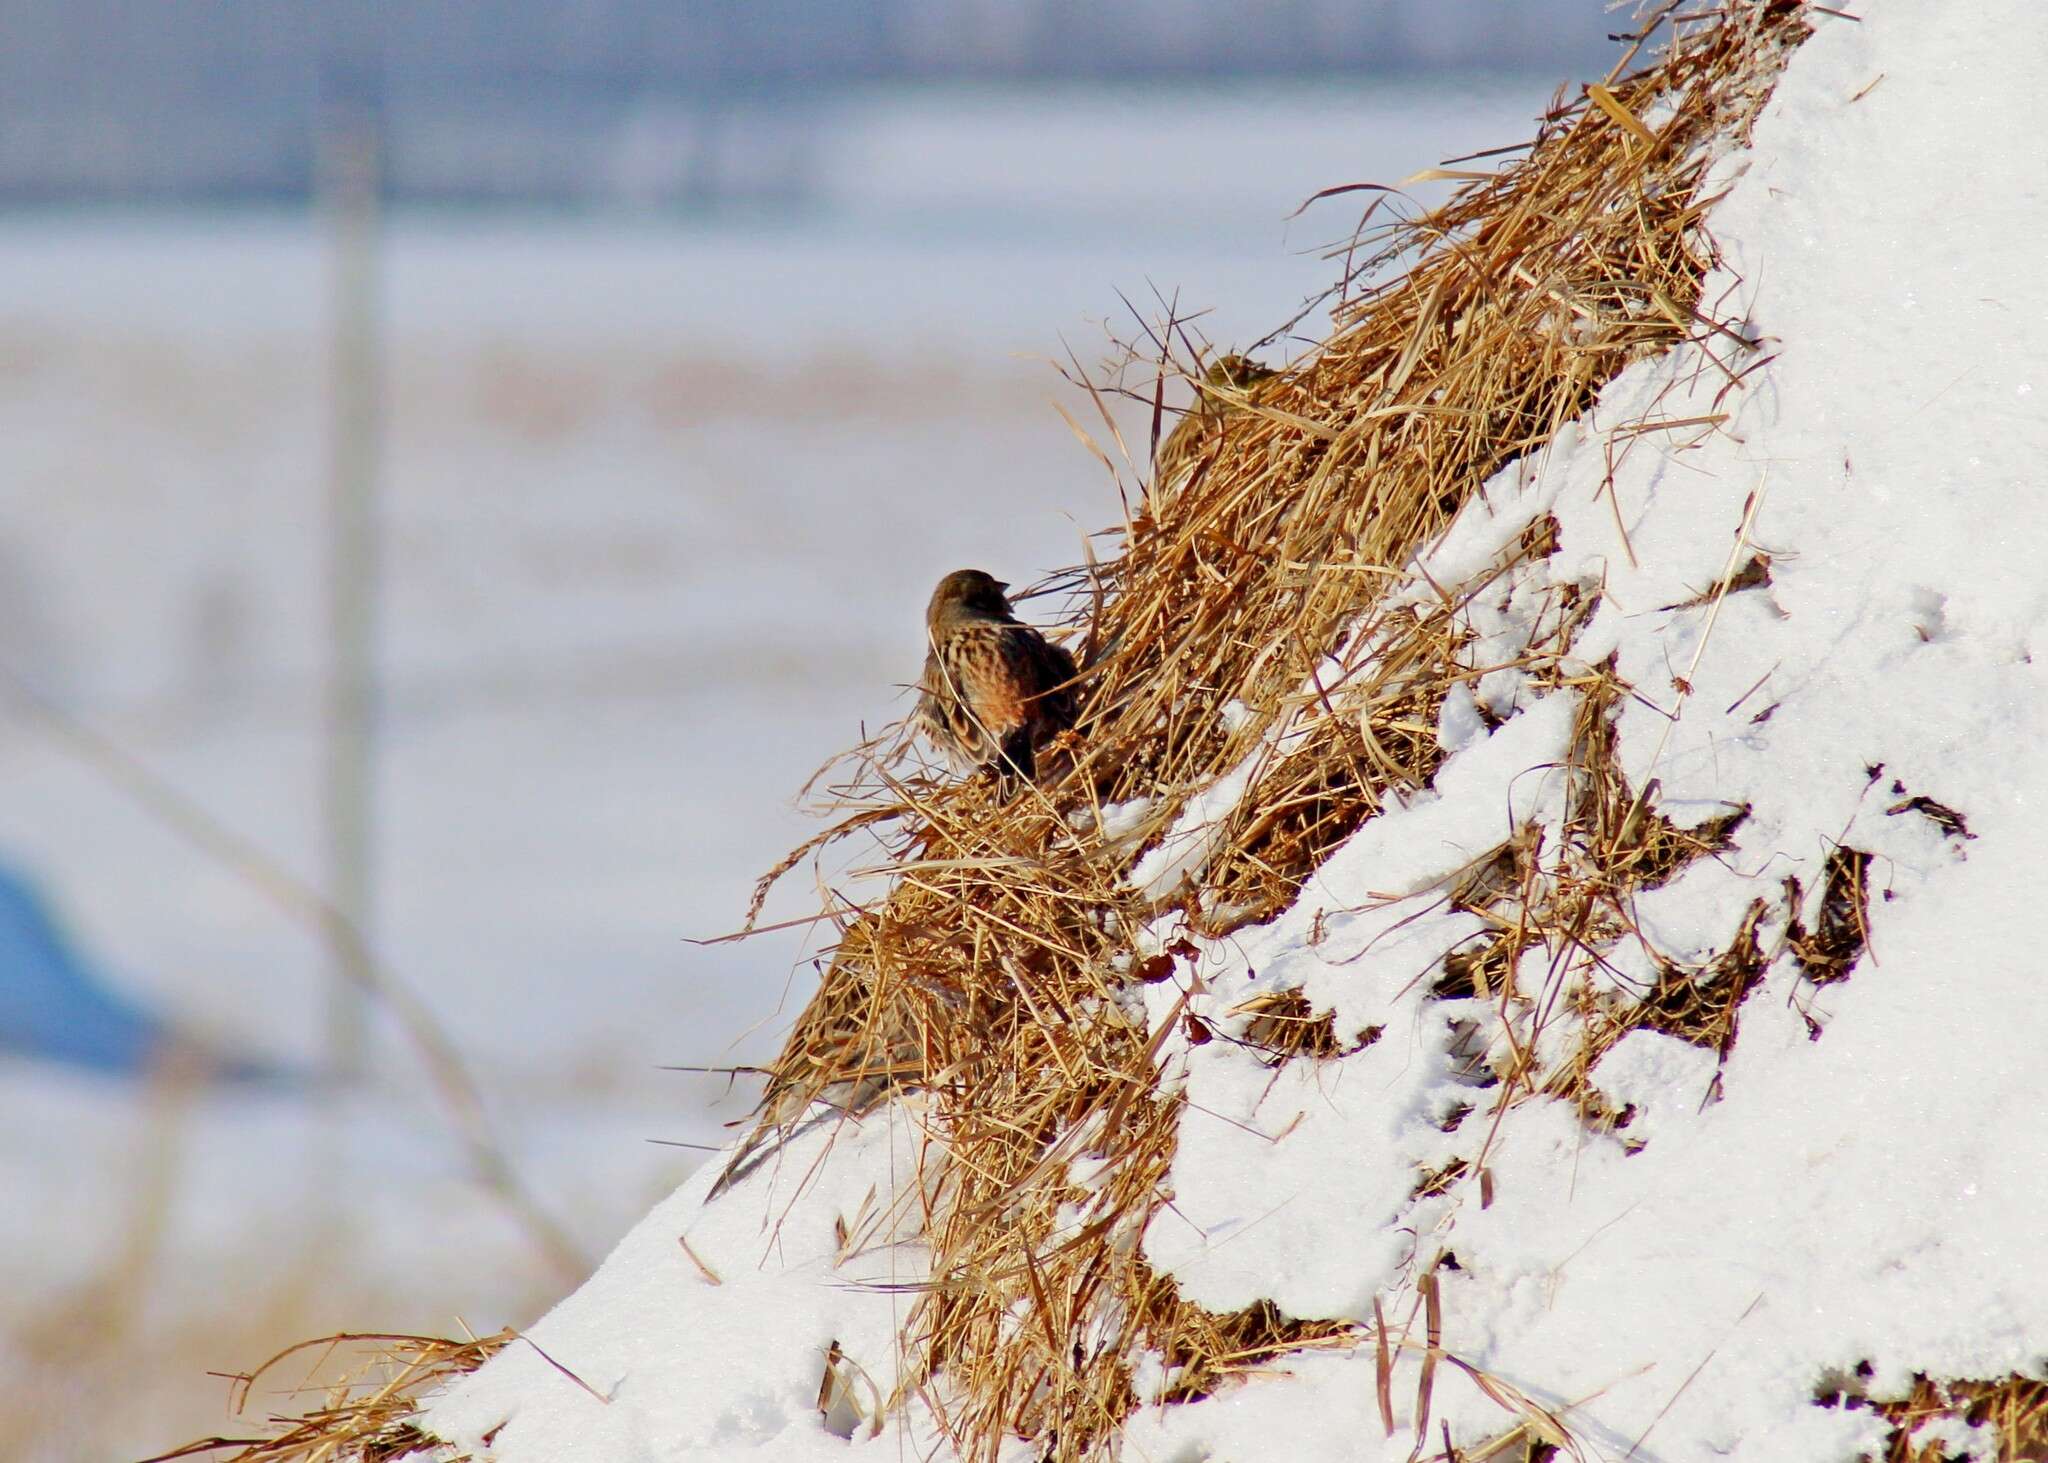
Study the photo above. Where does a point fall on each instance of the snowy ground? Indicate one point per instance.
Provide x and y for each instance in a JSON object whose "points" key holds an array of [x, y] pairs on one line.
{"points": [[1864, 1182], [663, 504]]}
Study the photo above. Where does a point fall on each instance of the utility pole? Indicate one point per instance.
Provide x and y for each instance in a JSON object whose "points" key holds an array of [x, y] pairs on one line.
{"points": [[348, 185]]}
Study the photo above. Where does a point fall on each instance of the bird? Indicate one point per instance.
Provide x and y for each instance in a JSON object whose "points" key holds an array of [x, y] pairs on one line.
{"points": [[1194, 431], [994, 690]]}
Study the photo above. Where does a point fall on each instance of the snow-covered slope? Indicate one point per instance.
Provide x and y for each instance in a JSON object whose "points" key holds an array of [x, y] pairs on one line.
{"points": [[1862, 1180]]}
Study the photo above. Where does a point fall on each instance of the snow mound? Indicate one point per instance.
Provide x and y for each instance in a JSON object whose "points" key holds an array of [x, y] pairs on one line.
{"points": [[708, 1330], [1827, 609]]}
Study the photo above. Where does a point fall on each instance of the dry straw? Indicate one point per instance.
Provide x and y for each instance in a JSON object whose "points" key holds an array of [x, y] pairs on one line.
{"points": [[1241, 628], [365, 1414]]}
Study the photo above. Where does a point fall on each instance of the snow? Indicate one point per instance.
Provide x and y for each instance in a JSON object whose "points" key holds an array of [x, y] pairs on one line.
{"points": [[1350, 1139], [1118, 824], [787, 1289], [1862, 1179], [1869, 1195], [1184, 850]]}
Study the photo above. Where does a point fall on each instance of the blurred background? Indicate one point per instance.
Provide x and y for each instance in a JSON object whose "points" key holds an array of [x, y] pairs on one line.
{"points": [[462, 466]]}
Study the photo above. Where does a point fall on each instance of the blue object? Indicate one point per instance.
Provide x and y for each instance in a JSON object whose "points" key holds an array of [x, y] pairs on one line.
{"points": [[51, 1006]]}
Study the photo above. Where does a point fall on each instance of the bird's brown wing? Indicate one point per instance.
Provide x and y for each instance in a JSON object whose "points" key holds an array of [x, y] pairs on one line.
{"points": [[1050, 672], [938, 710]]}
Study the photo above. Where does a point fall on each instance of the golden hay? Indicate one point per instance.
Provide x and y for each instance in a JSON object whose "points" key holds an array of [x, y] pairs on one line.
{"points": [[367, 1410]]}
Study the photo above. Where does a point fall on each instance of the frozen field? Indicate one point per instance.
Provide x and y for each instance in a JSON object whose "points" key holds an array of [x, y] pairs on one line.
{"points": [[662, 505]]}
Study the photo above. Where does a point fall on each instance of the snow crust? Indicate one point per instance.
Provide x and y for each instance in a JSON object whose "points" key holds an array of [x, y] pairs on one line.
{"points": [[1864, 1179]]}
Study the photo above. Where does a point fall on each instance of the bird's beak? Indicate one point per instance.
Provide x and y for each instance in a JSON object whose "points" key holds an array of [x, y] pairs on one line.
{"points": [[1001, 585]]}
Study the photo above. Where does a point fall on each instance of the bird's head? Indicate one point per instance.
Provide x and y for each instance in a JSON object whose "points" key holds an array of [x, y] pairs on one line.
{"points": [[967, 594], [1237, 371]]}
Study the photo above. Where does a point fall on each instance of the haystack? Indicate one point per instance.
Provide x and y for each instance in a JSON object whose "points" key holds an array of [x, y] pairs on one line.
{"points": [[1253, 702], [1256, 694]]}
